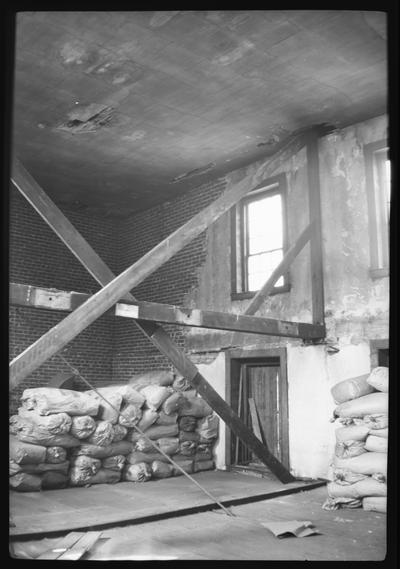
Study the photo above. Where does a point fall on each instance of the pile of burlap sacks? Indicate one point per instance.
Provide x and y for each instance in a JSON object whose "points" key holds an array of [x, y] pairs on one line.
{"points": [[359, 466], [66, 438]]}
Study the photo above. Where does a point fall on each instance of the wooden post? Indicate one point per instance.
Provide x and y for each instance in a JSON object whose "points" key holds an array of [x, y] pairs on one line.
{"points": [[314, 200]]}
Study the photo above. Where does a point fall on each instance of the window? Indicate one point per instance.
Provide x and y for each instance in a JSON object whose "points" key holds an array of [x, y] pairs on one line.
{"points": [[377, 166], [259, 238]]}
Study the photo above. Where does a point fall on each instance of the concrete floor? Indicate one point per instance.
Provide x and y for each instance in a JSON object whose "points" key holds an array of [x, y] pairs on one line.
{"points": [[346, 535]]}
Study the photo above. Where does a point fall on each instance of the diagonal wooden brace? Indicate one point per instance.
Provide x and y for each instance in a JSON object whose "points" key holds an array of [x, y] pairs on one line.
{"points": [[40, 350]]}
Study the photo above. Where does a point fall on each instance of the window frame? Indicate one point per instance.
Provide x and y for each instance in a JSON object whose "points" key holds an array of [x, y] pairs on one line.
{"points": [[276, 185], [376, 240]]}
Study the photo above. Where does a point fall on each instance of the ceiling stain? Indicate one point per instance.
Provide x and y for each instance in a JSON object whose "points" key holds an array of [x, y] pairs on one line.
{"points": [[235, 54], [195, 172], [88, 118]]}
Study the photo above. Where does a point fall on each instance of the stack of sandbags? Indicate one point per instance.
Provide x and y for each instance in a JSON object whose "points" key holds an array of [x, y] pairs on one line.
{"points": [[77, 438], [178, 422], [360, 460], [42, 435]]}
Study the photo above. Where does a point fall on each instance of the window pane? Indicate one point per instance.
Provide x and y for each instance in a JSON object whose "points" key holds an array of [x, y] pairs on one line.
{"points": [[264, 219], [260, 268]]}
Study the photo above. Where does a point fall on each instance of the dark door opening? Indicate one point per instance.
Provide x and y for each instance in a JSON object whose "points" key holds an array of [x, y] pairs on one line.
{"points": [[259, 396]]}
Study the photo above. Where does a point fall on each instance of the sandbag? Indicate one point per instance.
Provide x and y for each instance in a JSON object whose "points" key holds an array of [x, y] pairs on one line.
{"points": [[351, 389], [374, 422], [173, 403], [53, 479], [153, 377], [384, 433], [122, 447], [375, 504], [108, 410], [128, 393], [189, 436], [187, 423], [106, 476], [140, 472], [120, 433], [169, 445], [341, 502], [159, 431], [47, 400], [345, 476], [131, 414], [360, 489], [203, 465], [187, 448], [149, 417], [351, 433], [208, 428], [161, 469], [379, 379], [155, 395], [55, 455], [195, 407], [116, 462], [203, 452], [346, 449], [180, 383], [86, 463], [42, 467], [55, 424], [376, 444], [102, 435], [136, 457], [82, 426], [185, 463], [23, 482], [164, 419], [367, 463], [32, 433], [144, 445], [366, 405], [79, 476], [23, 453]]}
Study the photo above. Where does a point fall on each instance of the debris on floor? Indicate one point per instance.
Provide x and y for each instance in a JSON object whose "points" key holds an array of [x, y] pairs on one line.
{"points": [[293, 528]]}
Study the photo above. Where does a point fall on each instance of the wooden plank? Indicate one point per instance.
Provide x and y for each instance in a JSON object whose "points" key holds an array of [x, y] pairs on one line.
{"points": [[280, 270], [54, 299], [314, 200], [81, 547], [66, 330], [254, 419], [61, 546]]}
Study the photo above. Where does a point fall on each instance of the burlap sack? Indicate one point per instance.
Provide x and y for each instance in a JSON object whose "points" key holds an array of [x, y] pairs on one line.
{"points": [[47, 400]]}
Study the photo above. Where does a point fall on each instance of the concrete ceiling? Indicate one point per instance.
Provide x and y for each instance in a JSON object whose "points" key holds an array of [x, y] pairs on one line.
{"points": [[118, 111]]}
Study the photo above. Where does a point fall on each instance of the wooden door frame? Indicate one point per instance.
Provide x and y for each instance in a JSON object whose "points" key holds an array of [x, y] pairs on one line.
{"points": [[233, 357]]}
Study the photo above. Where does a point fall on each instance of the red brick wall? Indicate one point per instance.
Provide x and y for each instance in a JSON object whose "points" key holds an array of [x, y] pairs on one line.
{"points": [[38, 257], [133, 352]]}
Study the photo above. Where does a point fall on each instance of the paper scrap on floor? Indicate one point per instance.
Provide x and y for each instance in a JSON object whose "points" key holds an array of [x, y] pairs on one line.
{"points": [[293, 528]]}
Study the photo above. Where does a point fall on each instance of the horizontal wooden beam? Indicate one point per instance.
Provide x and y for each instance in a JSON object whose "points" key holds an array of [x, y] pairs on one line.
{"points": [[54, 299]]}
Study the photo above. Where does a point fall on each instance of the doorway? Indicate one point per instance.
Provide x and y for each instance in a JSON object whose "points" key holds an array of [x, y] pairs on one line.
{"points": [[257, 385]]}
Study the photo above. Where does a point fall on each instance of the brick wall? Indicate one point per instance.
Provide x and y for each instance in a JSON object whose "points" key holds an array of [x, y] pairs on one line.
{"points": [[38, 257], [133, 352]]}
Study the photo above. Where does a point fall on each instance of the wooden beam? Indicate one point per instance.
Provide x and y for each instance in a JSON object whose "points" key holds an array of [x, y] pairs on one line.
{"points": [[65, 331], [53, 299], [156, 333], [314, 200], [280, 270]]}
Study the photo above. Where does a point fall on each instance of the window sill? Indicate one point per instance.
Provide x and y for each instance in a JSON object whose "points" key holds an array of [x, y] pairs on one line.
{"points": [[379, 273], [251, 294]]}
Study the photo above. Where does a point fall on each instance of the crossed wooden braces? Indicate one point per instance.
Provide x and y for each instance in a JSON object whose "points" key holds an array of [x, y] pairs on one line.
{"points": [[146, 315]]}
